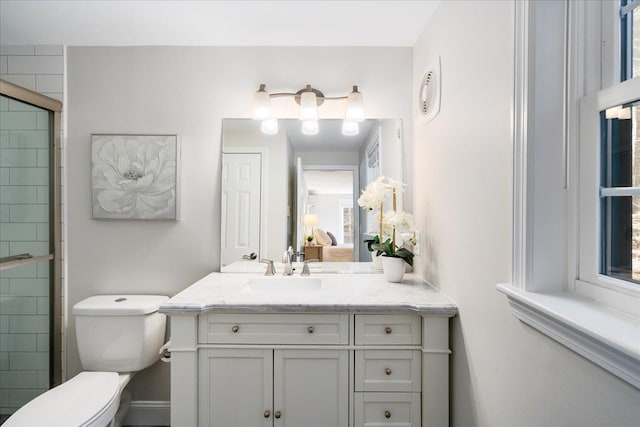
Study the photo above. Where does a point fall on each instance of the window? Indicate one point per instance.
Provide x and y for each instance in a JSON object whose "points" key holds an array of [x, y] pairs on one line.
{"points": [[346, 220], [620, 192], [588, 301], [629, 40]]}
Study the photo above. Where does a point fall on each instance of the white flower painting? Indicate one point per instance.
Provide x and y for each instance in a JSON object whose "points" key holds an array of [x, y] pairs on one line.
{"points": [[134, 176]]}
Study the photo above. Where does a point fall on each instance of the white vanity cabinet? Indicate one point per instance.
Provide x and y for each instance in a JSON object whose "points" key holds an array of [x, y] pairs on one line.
{"points": [[278, 383], [356, 352]]}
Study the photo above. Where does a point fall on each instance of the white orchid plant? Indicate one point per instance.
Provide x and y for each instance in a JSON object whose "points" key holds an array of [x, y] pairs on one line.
{"points": [[396, 224]]}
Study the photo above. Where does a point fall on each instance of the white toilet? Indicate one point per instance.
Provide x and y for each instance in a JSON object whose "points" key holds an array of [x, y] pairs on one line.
{"points": [[117, 335]]}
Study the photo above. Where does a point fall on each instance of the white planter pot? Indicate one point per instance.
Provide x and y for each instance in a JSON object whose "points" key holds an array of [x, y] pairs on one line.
{"points": [[393, 269], [377, 262]]}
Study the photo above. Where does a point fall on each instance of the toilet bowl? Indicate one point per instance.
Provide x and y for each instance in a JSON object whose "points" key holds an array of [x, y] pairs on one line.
{"points": [[117, 336]]}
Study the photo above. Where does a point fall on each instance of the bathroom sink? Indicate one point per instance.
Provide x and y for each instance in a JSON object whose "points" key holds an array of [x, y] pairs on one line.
{"points": [[283, 284]]}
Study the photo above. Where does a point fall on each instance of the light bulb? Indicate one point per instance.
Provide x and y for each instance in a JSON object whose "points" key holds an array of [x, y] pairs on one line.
{"points": [[308, 106], [261, 105], [355, 106], [310, 127], [350, 128], [269, 126]]}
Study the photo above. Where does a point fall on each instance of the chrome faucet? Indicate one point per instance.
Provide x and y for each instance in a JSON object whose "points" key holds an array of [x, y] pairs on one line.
{"points": [[305, 267], [271, 270], [287, 259]]}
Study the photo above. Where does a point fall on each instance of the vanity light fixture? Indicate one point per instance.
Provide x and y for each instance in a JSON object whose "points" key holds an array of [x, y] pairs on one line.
{"points": [[309, 100]]}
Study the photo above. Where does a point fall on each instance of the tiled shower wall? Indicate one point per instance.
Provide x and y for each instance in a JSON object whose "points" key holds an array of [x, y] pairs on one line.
{"points": [[24, 292]]}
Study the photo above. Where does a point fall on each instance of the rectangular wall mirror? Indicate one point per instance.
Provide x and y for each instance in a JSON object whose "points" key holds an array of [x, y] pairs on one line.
{"points": [[298, 190]]}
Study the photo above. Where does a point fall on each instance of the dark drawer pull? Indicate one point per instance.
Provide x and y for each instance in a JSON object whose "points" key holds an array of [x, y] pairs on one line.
{"points": [[388, 330], [387, 414], [311, 329], [387, 371], [235, 329]]}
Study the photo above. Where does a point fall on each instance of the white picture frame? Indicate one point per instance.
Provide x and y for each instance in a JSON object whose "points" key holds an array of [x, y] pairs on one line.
{"points": [[134, 177]]}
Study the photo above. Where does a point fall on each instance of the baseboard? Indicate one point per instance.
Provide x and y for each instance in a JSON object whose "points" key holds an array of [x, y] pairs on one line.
{"points": [[148, 413]]}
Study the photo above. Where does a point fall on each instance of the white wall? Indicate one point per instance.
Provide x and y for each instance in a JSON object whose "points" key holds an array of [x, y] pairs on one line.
{"points": [[503, 373], [188, 91], [327, 207]]}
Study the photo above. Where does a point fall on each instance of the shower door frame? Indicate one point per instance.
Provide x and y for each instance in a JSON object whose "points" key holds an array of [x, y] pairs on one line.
{"points": [[21, 94]]}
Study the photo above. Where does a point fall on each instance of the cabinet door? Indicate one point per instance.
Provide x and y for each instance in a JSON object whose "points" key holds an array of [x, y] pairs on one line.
{"points": [[235, 388], [311, 388]]}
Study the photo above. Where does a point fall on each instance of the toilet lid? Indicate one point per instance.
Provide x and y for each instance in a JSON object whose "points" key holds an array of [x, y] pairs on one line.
{"points": [[78, 402]]}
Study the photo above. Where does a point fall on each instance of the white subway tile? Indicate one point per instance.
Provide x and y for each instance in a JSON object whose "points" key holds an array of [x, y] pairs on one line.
{"points": [[30, 213], [42, 379], [55, 95], [25, 272], [17, 50], [25, 80], [42, 120], [35, 65], [42, 342], [4, 361], [17, 398], [18, 232], [4, 139], [29, 138], [29, 287], [17, 157], [3, 64], [34, 248], [42, 160], [49, 83], [10, 194], [18, 379], [43, 272], [49, 49], [42, 194], [4, 324], [4, 251], [15, 105], [18, 120], [18, 305], [4, 175], [34, 324], [29, 176], [4, 286], [5, 213], [18, 342], [42, 232], [43, 308], [4, 104]]}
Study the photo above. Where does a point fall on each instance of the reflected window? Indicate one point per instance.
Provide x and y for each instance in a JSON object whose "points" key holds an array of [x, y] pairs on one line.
{"points": [[629, 39]]}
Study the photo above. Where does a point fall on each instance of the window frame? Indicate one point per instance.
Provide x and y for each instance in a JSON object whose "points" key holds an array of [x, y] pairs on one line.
{"points": [[597, 318]]}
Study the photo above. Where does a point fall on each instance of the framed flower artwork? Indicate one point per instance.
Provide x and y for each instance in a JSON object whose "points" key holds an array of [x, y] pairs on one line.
{"points": [[134, 176]]}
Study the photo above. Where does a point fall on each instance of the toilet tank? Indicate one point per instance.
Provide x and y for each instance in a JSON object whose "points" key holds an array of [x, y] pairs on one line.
{"points": [[119, 333]]}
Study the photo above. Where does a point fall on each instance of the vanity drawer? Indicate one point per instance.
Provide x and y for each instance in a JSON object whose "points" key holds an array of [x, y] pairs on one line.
{"points": [[274, 329], [392, 409], [388, 329], [388, 370]]}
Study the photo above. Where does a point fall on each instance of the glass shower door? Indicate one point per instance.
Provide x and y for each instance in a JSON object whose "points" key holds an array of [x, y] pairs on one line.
{"points": [[26, 253]]}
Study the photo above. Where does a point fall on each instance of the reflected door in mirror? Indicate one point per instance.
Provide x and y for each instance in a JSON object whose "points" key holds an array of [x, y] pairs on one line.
{"points": [[240, 228]]}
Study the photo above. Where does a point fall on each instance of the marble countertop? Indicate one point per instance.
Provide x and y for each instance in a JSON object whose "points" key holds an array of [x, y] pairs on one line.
{"points": [[256, 293]]}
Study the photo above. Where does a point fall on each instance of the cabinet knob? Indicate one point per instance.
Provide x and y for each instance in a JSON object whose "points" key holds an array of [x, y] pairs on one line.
{"points": [[311, 329], [387, 414], [387, 371], [388, 330], [277, 414], [267, 414], [235, 328]]}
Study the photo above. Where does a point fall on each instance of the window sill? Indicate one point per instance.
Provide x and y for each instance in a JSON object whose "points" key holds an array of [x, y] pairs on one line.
{"points": [[604, 336]]}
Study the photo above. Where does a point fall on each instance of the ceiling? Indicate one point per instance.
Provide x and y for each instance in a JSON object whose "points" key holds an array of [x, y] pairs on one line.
{"points": [[213, 23]]}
